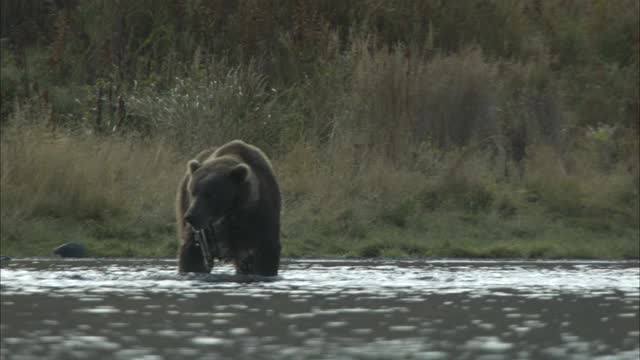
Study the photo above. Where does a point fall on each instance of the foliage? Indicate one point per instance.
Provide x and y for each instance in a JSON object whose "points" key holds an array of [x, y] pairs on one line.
{"points": [[513, 121]]}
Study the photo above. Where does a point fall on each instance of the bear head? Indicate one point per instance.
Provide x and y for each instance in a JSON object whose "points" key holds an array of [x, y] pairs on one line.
{"points": [[218, 188]]}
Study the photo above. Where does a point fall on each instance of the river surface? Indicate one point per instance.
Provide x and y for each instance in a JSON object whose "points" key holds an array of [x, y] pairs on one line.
{"points": [[321, 309]]}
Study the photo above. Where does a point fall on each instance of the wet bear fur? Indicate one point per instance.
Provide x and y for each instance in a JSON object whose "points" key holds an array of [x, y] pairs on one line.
{"points": [[230, 192]]}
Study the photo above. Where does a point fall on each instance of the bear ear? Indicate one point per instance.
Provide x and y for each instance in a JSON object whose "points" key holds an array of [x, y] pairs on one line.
{"points": [[193, 165], [240, 173]]}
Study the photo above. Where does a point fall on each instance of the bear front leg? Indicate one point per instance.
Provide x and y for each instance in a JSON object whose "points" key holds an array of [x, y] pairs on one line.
{"points": [[267, 259], [244, 261]]}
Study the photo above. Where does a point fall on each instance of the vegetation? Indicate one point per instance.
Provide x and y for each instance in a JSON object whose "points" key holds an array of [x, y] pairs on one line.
{"points": [[398, 128]]}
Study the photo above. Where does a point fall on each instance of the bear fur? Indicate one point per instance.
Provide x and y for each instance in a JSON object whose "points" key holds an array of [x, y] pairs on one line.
{"points": [[231, 193]]}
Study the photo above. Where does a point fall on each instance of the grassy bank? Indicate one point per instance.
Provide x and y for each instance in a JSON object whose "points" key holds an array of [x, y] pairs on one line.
{"points": [[397, 128], [116, 196]]}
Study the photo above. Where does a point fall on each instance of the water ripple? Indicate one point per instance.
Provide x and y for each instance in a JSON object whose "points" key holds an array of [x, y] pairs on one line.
{"points": [[360, 309]]}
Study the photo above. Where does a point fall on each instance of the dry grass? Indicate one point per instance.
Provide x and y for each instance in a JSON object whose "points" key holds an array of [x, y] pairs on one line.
{"points": [[117, 195], [390, 159], [85, 177], [58, 186]]}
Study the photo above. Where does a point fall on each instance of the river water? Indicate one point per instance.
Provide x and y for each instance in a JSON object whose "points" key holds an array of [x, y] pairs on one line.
{"points": [[321, 309]]}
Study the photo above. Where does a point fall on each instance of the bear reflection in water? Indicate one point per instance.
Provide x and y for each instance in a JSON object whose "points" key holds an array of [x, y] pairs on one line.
{"points": [[230, 198]]}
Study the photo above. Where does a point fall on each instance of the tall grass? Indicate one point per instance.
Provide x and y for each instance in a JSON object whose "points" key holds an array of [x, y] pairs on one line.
{"points": [[117, 195], [100, 188]]}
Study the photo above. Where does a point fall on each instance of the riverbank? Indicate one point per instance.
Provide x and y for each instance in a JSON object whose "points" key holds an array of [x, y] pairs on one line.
{"points": [[116, 195]]}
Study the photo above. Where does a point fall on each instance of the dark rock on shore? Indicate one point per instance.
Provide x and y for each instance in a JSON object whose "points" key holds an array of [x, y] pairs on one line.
{"points": [[70, 250]]}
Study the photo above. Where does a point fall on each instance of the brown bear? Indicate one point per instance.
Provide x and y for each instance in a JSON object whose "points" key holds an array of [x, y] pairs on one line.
{"points": [[231, 195]]}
